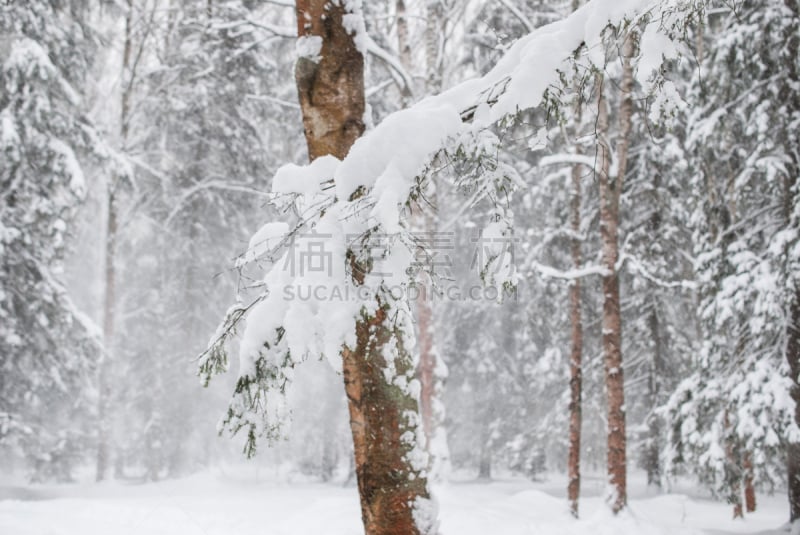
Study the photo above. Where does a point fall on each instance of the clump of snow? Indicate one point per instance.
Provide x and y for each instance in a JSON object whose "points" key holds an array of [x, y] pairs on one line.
{"points": [[309, 47], [69, 163], [353, 22]]}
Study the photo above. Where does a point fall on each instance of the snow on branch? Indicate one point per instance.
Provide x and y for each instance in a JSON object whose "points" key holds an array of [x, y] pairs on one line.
{"points": [[352, 216]]}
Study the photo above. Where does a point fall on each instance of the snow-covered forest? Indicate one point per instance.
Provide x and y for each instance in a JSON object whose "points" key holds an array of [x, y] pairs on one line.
{"points": [[399, 266]]}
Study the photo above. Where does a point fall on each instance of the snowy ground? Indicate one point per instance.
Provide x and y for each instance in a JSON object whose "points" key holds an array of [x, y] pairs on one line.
{"points": [[231, 503]]}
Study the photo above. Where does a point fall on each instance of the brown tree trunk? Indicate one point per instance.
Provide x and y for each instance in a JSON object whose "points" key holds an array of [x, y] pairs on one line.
{"points": [[790, 96], [392, 490], [749, 489], [576, 352], [576, 328], [392, 487], [610, 191], [793, 448], [330, 90]]}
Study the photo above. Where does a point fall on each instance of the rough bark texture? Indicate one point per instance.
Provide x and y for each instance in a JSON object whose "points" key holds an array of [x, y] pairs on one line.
{"points": [[393, 490], [331, 90], [576, 351], [390, 488], [610, 191]]}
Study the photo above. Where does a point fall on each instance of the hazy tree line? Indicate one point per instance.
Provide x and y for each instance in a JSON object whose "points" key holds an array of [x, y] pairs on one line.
{"points": [[654, 320]]}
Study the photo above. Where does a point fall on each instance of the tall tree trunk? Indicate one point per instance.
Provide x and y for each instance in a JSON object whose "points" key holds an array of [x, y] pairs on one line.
{"points": [[104, 389], [610, 191], [576, 351], [109, 305], [652, 462], [790, 96], [793, 448], [431, 371], [749, 489], [576, 330], [392, 488]]}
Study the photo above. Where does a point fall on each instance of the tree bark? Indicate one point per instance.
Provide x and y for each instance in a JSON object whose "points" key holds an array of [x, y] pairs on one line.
{"points": [[576, 329], [610, 191], [576, 351], [104, 389], [749, 489], [392, 486], [331, 90], [389, 486], [652, 462]]}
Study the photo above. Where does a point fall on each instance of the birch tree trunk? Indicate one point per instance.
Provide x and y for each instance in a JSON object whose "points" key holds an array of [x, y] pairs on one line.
{"points": [[392, 486], [109, 304], [331, 90]]}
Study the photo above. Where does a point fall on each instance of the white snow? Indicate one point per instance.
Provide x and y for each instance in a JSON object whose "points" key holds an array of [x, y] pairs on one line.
{"points": [[309, 47], [246, 501]]}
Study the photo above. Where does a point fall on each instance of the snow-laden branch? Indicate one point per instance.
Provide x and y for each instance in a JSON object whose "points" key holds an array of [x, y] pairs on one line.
{"points": [[637, 267], [549, 272], [568, 159], [393, 62], [209, 184], [514, 10], [351, 203]]}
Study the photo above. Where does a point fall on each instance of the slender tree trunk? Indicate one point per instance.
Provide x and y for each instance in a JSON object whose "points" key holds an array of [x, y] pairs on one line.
{"points": [[434, 43], [793, 448], [392, 488], [485, 455], [790, 96], [652, 462], [109, 305], [576, 351], [104, 390], [733, 470], [431, 370], [749, 489], [404, 46], [610, 191], [576, 329]]}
